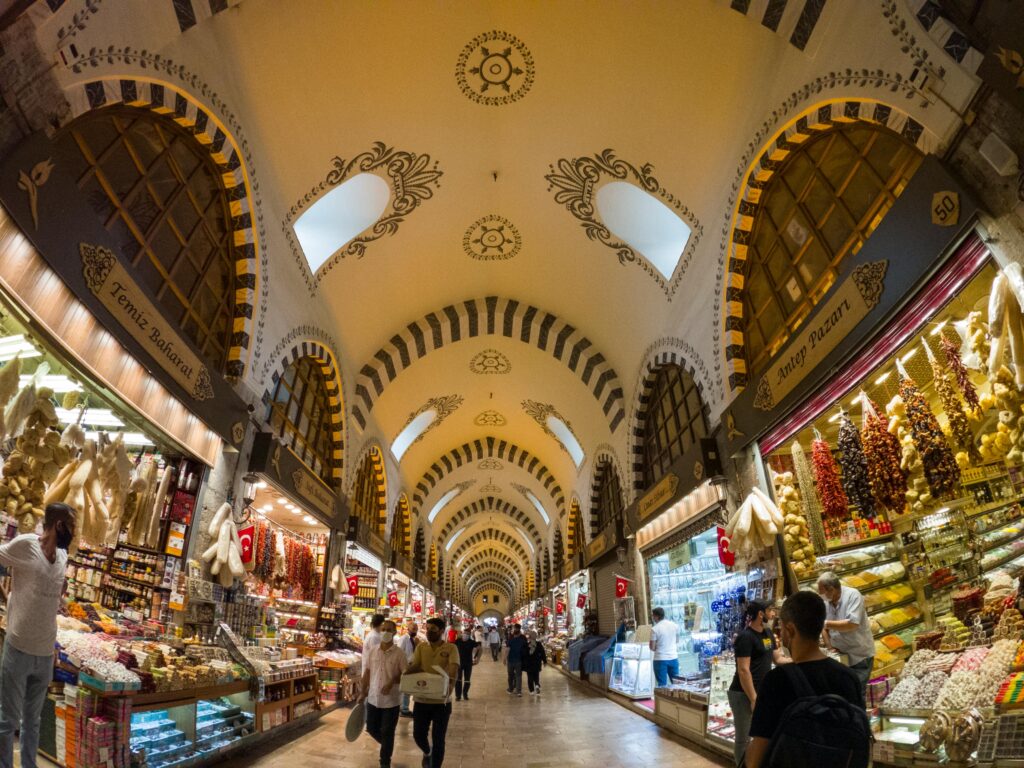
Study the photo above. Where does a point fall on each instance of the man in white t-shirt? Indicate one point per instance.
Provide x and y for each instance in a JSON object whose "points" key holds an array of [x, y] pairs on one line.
{"points": [[663, 643], [372, 637], [382, 673], [37, 565], [407, 643]]}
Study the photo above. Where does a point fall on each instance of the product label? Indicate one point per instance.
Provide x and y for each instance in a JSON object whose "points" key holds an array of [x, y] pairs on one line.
{"points": [[176, 539], [679, 556]]}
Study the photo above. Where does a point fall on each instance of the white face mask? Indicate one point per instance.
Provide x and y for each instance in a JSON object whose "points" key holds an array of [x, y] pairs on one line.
{"points": [[387, 637]]}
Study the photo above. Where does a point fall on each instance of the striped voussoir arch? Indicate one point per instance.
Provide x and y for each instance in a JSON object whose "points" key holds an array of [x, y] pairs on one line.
{"points": [[940, 29], [493, 586], [177, 105], [508, 585], [490, 316], [649, 373], [489, 535], [487, 447], [480, 551], [324, 357], [401, 527], [604, 461], [574, 525], [813, 121], [795, 21], [514, 574], [188, 13], [474, 510], [492, 554]]}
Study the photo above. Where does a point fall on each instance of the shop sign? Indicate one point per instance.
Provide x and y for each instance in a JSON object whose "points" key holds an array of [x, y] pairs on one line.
{"points": [[314, 491], [946, 209], [286, 471], [833, 321], [604, 542], [679, 556], [662, 492]]}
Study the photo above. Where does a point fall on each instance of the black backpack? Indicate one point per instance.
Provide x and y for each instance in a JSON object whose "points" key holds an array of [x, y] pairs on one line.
{"points": [[819, 730]]}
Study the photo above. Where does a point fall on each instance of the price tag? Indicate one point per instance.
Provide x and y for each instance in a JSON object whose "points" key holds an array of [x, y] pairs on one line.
{"points": [[945, 209]]}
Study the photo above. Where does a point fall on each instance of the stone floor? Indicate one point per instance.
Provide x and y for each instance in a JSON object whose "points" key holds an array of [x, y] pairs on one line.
{"points": [[568, 726]]}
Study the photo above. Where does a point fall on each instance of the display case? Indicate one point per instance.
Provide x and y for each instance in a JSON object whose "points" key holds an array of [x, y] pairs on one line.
{"points": [[632, 671], [721, 728]]}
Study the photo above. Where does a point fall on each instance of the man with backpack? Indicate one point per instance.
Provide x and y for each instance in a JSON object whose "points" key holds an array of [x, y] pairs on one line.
{"points": [[810, 712]]}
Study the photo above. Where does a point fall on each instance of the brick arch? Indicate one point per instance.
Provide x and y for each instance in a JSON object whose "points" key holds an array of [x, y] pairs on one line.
{"points": [[810, 122], [648, 373], [490, 316], [329, 366], [605, 460], [372, 453], [487, 447], [401, 527], [176, 104], [492, 534], [483, 506]]}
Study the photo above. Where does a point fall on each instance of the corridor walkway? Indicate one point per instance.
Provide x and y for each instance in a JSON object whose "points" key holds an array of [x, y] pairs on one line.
{"points": [[566, 727]]}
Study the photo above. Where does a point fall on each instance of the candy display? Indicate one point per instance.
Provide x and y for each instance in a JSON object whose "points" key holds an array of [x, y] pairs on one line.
{"points": [[883, 458], [834, 502], [940, 467]]}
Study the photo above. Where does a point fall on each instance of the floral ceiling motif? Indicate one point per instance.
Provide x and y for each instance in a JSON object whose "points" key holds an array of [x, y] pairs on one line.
{"points": [[490, 361], [495, 69], [444, 406], [490, 419]]}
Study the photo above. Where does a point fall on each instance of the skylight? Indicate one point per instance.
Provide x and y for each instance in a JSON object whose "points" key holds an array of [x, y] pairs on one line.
{"points": [[441, 502], [448, 546], [415, 428], [527, 540], [566, 438], [340, 215], [540, 507], [645, 223]]}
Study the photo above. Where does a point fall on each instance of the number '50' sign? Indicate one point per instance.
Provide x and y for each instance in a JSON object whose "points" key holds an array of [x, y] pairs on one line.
{"points": [[945, 209]]}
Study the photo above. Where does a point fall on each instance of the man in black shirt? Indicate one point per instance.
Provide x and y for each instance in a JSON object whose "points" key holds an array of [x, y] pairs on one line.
{"points": [[469, 654], [802, 618], [755, 649]]}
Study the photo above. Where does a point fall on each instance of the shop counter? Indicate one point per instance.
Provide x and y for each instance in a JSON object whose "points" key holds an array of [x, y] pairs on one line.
{"points": [[681, 712]]}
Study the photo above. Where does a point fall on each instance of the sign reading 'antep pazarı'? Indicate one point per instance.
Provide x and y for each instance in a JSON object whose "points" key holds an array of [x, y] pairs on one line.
{"points": [[121, 295], [857, 295]]}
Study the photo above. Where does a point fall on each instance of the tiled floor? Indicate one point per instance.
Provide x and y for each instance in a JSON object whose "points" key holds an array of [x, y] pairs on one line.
{"points": [[566, 727]]}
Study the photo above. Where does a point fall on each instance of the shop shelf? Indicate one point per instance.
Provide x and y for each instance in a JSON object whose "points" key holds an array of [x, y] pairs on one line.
{"points": [[899, 628], [834, 549], [880, 608], [993, 543], [883, 585], [1005, 561], [137, 582]]}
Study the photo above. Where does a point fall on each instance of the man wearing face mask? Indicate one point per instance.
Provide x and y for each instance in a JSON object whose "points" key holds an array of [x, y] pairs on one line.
{"points": [[37, 565], [407, 644], [469, 654], [382, 673], [430, 715]]}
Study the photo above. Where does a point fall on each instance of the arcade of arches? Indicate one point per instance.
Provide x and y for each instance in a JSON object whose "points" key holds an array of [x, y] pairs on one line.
{"points": [[309, 329]]}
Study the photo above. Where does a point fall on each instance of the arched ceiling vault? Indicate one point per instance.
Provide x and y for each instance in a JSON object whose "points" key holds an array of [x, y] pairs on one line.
{"points": [[491, 509], [501, 537]]}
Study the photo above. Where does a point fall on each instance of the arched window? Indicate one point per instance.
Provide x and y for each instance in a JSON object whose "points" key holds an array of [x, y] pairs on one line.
{"points": [[674, 421], [607, 498], [576, 542], [420, 551], [299, 412], [367, 496], [400, 528], [818, 209], [557, 551], [161, 197]]}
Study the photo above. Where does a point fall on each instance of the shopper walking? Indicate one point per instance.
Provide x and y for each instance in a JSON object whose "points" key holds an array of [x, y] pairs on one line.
{"points": [[494, 643], [534, 657], [431, 714], [514, 660], [382, 673], [37, 565], [663, 643], [754, 649], [469, 654], [372, 638], [478, 634], [407, 643], [812, 674], [847, 628]]}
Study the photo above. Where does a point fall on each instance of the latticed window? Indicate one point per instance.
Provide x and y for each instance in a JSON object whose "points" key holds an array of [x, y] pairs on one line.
{"points": [[576, 530], [299, 413], [399, 540], [365, 503], [609, 495], [818, 209], [675, 421], [160, 196]]}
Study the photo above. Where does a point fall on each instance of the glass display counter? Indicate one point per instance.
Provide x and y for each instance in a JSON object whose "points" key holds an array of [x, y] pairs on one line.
{"points": [[632, 671], [721, 728]]}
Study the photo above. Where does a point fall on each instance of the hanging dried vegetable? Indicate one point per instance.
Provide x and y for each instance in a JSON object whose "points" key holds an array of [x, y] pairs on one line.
{"points": [[940, 467], [884, 455], [855, 469], [812, 507], [963, 377], [959, 430], [834, 503]]}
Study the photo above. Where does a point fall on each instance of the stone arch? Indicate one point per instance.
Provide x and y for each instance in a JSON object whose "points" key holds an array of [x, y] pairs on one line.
{"points": [[372, 453], [576, 537], [183, 108], [797, 27], [466, 515], [487, 447], [668, 353], [941, 29], [811, 121], [491, 554], [329, 366], [492, 534], [419, 552], [490, 316], [604, 461]]}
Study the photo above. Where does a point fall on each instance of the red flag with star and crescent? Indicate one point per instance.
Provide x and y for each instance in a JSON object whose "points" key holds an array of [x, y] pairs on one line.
{"points": [[621, 586], [353, 584]]}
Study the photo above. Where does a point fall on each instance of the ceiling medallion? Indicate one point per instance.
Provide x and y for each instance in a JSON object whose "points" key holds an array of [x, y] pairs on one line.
{"points": [[490, 464], [490, 419], [490, 489], [492, 238], [495, 68], [490, 361]]}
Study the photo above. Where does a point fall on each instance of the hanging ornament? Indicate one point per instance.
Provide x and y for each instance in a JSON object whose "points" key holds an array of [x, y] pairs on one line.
{"points": [[855, 469], [963, 376], [950, 402], [812, 507], [834, 503], [883, 455], [940, 467]]}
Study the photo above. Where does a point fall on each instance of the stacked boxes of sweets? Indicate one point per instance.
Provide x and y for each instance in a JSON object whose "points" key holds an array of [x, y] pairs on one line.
{"points": [[157, 741], [219, 724]]}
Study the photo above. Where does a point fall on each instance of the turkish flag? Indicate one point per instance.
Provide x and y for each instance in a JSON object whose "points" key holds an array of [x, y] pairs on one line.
{"points": [[353, 584], [417, 606], [621, 586], [246, 537], [392, 599], [559, 607], [581, 600], [725, 557], [546, 610]]}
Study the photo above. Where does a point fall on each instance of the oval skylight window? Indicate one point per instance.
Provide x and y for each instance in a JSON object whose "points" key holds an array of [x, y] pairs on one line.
{"points": [[540, 507], [442, 501], [339, 216], [644, 223], [566, 438], [413, 430]]}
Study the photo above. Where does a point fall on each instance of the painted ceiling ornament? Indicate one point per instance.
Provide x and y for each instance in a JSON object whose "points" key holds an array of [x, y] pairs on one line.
{"points": [[492, 238], [490, 489], [495, 69], [490, 361], [491, 465], [575, 182], [490, 419], [443, 406], [539, 412]]}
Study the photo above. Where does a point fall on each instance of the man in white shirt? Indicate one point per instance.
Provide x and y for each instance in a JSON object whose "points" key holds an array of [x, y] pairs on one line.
{"points": [[37, 565], [847, 628], [372, 638], [663, 643], [407, 643], [382, 674], [494, 642]]}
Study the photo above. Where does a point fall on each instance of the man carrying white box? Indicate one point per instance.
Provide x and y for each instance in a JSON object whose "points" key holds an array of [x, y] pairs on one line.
{"points": [[435, 664]]}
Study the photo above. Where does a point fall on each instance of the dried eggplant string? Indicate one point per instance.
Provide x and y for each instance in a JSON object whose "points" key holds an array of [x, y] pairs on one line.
{"points": [[855, 470]]}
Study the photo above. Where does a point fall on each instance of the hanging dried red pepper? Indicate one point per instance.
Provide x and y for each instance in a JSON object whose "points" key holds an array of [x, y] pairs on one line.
{"points": [[883, 454], [834, 504], [963, 376]]}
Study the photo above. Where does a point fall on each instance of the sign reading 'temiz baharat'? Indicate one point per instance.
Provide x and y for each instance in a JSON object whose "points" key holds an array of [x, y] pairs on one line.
{"points": [[858, 294]]}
